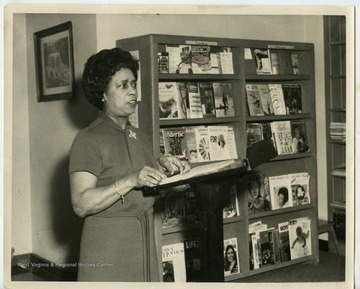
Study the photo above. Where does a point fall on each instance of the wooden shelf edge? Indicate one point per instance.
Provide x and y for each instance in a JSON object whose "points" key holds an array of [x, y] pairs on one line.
{"points": [[280, 211]]}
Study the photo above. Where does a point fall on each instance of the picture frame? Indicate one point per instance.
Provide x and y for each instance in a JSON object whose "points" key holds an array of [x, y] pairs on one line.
{"points": [[54, 62]]}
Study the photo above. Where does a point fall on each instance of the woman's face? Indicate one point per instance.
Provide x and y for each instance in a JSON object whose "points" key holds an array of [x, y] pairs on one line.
{"points": [[230, 254], [255, 189], [121, 94], [281, 199]]}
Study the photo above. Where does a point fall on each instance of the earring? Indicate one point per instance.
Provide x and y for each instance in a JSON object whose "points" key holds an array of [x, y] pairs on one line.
{"points": [[103, 100]]}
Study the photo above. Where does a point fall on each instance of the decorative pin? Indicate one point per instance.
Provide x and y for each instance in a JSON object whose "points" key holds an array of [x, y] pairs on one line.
{"points": [[132, 134]]}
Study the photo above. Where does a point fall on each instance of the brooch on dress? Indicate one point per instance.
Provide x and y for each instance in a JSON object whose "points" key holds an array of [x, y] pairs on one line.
{"points": [[132, 134]]}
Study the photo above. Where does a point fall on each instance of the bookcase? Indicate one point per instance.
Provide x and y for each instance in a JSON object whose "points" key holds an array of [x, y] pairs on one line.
{"points": [[242, 70], [335, 88]]}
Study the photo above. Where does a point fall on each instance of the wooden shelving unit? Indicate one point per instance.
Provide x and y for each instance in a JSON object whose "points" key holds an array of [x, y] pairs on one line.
{"points": [[147, 47]]}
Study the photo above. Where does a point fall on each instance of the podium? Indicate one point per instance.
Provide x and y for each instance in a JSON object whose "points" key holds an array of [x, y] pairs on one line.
{"points": [[211, 191]]}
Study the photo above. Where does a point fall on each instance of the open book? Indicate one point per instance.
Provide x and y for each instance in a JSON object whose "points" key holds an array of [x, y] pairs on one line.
{"points": [[205, 170]]}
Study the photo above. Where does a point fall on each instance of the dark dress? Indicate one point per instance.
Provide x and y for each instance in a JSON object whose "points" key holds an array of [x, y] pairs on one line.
{"points": [[117, 244]]}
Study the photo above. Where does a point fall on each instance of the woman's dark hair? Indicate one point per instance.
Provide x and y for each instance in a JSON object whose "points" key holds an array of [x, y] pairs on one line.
{"points": [[226, 261], [100, 68], [284, 191]]}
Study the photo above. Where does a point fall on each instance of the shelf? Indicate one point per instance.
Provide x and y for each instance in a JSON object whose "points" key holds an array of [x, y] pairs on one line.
{"points": [[180, 228], [277, 77], [280, 265], [197, 77], [279, 211], [197, 121], [341, 142], [267, 118], [292, 156]]}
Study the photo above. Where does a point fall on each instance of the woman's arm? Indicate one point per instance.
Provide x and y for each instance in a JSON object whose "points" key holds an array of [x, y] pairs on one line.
{"points": [[87, 199]]}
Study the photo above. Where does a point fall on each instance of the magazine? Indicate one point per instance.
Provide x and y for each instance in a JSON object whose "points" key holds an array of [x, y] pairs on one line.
{"points": [[258, 194], [175, 143], [231, 257], [299, 136], [284, 243], [280, 192], [292, 98], [262, 61], [277, 98], [170, 101], [253, 99], [224, 102], [300, 238], [231, 208], [282, 137], [173, 263], [192, 259], [300, 188]]}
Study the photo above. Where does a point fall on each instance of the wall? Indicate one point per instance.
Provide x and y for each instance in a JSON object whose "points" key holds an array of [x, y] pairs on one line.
{"points": [[52, 125], [21, 197]]}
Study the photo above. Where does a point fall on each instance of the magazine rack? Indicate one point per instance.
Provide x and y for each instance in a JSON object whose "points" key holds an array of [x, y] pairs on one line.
{"points": [[237, 68]]}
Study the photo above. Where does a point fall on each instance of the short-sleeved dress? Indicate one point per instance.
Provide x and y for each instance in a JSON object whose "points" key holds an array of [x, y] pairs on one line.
{"points": [[117, 244]]}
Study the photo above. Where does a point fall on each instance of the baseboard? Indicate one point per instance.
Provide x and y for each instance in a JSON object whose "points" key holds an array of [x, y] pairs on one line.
{"points": [[35, 264]]}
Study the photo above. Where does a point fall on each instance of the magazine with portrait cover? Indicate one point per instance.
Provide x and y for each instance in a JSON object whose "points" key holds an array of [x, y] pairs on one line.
{"points": [[231, 257], [300, 188], [265, 99], [280, 191], [173, 263], [300, 238], [258, 193]]}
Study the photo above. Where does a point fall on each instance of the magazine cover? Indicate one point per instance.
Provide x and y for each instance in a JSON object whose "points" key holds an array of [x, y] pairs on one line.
{"points": [[173, 52], [254, 230], [262, 61], [218, 143], [280, 192], [231, 208], [172, 210], [231, 143], [231, 257], [266, 247], [277, 98], [223, 97], [175, 143], [300, 188], [282, 136], [253, 99], [292, 98], [173, 263], [169, 101], [258, 198], [284, 243], [254, 133], [195, 108], [207, 99], [202, 144], [163, 62], [200, 59], [300, 238], [192, 259], [299, 137], [265, 99]]}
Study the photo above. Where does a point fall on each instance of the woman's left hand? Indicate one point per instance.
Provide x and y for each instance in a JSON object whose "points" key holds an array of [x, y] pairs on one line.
{"points": [[174, 165]]}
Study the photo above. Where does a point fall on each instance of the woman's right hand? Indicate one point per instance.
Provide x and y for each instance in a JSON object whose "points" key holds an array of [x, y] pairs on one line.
{"points": [[147, 176]]}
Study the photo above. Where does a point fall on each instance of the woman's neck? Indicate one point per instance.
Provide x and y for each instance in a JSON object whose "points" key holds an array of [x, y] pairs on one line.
{"points": [[120, 121]]}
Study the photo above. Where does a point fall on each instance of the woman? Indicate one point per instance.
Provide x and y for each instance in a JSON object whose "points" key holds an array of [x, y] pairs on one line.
{"points": [[230, 260], [283, 197], [110, 162]]}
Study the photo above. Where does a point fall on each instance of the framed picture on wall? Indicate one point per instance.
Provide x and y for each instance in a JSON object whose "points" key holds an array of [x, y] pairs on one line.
{"points": [[54, 62]]}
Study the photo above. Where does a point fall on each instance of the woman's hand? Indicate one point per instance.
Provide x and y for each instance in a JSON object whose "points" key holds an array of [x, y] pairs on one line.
{"points": [[173, 165], [147, 176]]}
